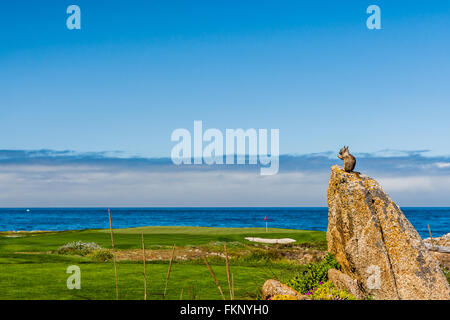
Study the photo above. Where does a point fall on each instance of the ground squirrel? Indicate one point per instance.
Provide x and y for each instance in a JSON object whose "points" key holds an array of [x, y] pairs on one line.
{"points": [[349, 160]]}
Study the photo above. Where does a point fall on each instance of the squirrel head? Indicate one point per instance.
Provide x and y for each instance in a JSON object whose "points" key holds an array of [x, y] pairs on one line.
{"points": [[344, 152]]}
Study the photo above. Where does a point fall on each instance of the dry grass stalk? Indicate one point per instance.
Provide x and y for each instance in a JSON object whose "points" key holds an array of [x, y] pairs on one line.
{"points": [[431, 237], [228, 270], [168, 272], [214, 277], [143, 259], [114, 256]]}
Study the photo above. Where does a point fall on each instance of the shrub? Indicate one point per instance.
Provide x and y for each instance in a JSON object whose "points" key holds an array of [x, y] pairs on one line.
{"points": [[79, 248], [315, 274], [101, 255], [327, 291]]}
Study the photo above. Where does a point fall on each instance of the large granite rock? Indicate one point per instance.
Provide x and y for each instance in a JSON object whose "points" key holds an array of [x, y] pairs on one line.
{"points": [[376, 245]]}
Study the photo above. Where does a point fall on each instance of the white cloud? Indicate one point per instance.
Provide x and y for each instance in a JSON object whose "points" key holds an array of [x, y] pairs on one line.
{"points": [[302, 181], [418, 190], [443, 165], [409, 184], [25, 186]]}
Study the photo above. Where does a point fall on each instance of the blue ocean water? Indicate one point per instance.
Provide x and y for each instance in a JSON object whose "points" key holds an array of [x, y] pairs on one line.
{"points": [[291, 218]]}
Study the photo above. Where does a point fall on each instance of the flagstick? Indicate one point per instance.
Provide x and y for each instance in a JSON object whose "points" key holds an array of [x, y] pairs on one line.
{"points": [[143, 259], [114, 256], [266, 225]]}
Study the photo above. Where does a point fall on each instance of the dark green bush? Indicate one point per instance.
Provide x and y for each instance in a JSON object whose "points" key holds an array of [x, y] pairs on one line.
{"points": [[315, 275]]}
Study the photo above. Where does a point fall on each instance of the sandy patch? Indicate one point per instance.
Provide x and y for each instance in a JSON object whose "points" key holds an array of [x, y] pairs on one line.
{"points": [[264, 240]]}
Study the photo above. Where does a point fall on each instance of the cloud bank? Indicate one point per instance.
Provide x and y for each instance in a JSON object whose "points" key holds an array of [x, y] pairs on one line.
{"points": [[49, 178]]}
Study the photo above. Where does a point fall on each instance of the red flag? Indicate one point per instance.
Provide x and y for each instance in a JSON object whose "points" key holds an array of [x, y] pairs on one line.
{"points": [[265, 218]]}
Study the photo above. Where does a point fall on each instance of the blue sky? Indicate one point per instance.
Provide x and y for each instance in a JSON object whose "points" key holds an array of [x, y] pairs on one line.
{"points": [[137, 70]]}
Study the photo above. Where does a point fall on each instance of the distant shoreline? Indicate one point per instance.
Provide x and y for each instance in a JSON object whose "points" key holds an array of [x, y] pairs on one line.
{"points": [[294, 218], [18, 232]]}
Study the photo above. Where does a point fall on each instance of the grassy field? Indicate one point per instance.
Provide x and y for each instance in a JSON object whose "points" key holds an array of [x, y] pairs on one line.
{"points": [[31, 268]]}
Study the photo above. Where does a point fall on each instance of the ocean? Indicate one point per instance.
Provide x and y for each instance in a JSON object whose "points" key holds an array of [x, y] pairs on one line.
{"points": [[292, 218]]}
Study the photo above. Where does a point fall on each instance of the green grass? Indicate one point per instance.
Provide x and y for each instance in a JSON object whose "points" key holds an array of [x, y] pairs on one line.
{"points": [[43, 276], [38, 277], [154, 237]]}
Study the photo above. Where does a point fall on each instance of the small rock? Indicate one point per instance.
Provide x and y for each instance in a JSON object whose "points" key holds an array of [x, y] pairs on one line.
{"points": [[437, 248], [272, 288], [439, 241], [344, 282], [442, 258]]}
